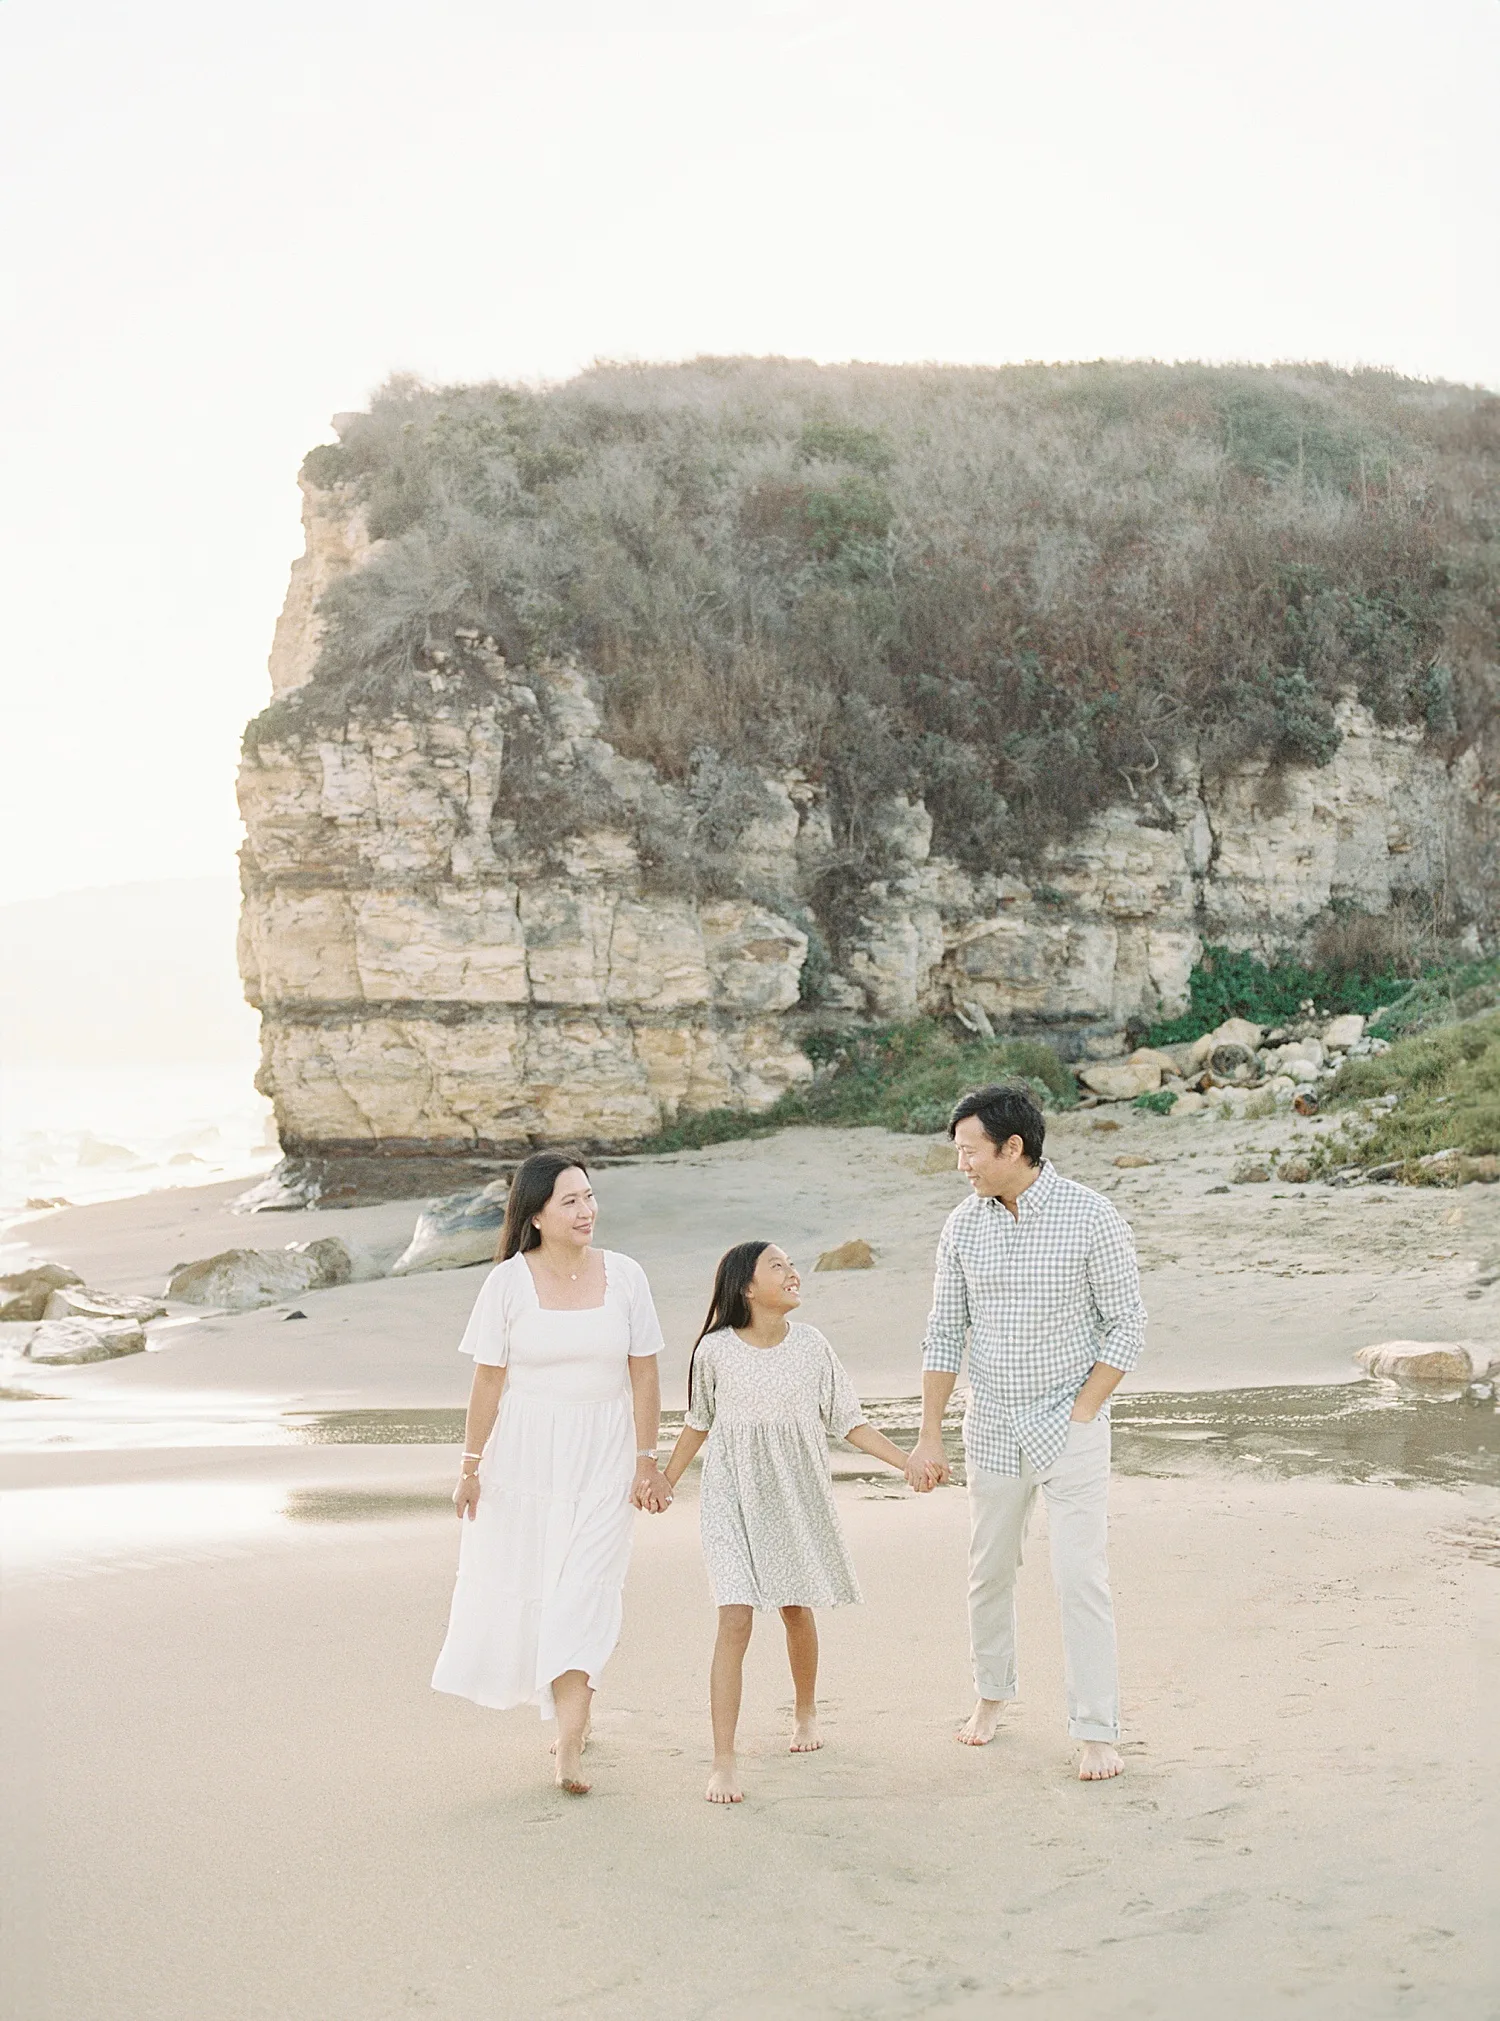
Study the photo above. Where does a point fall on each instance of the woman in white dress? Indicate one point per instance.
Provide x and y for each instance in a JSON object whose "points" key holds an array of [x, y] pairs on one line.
{"points": [[559, 1450]]}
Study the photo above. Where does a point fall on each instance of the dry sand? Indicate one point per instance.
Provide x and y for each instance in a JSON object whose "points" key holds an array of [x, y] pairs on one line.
{"points": [[234, 1794]]}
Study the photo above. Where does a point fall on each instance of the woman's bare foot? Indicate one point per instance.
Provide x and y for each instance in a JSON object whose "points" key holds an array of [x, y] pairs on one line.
{"points": [[588, 1734], [569, 1754], [978, 1730], [806, 1738], [1100, 1762], [724, 1784]]}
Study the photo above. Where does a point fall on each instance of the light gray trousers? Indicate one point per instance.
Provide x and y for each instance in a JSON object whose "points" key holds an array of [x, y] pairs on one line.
{"points": [[1076, 1487]]}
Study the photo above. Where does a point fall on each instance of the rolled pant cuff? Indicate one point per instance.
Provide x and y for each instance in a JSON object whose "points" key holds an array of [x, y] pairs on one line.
{"points": [[996, 1694], [1090, 1729]]}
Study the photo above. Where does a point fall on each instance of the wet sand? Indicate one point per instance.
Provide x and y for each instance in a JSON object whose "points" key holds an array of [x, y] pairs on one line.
{"points": [[238, 1797], [234, 1794]]}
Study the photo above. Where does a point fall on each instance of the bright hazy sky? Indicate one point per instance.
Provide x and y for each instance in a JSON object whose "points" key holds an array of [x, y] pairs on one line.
{"points": [[225, 224]]}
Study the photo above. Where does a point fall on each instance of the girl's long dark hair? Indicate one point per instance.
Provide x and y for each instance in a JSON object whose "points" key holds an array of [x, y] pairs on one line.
{"points": [[730, 1303], [530, 1191]]}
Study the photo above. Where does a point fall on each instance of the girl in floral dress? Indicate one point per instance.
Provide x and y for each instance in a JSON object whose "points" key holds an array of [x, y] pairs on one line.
{"points": [[767, 1392]]}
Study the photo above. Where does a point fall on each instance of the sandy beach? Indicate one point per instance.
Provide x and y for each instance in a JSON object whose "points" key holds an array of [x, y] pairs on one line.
{"points": [[236, 1796]]}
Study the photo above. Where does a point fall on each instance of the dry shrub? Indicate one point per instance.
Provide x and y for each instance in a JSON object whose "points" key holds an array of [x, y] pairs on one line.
{"points": [[1020, 593]]}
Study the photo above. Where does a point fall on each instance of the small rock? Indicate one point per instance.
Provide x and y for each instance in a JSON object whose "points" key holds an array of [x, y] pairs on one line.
{"points": [[1342, 1033], [74, 1302], [848, 1256], [1306, 1104], [1232, 1062], [242, 1280], [939, 1158], [1233, 1032], [1295, 1171], [1147, 1056], [66, 1342], [455, 1232], [24, 1294], [1250, 1174], [1121, 1082], [1105, 1123], [42, 1203], [296, 1313], [1218, 1189], [1130, 1161], [1426, 1360], [1188, 1104]]}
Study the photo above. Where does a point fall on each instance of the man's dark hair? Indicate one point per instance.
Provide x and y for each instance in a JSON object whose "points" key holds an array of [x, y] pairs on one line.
{"points": [[1003, 1111]]}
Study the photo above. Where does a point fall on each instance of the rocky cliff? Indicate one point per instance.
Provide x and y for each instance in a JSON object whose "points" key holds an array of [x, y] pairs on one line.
{"points": [[439, 968]]}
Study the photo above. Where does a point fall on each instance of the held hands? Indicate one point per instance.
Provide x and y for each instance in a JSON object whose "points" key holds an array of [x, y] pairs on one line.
{"points": [[651, 1490], [926, 1467]]}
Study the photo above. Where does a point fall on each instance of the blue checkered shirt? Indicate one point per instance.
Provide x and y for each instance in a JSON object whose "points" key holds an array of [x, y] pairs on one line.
{"points": [[1040, 1297]]}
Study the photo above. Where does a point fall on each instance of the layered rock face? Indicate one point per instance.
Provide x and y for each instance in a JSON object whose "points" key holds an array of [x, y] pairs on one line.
{"points": [[433, 976]]}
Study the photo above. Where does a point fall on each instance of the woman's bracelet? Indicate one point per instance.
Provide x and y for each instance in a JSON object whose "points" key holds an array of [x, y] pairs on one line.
{"points": [[642, 1454]]}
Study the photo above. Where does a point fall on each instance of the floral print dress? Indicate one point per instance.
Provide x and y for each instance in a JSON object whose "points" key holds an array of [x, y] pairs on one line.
{"points": [[771, 1534]]}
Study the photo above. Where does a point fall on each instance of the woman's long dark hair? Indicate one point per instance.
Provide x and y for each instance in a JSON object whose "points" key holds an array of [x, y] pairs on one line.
{"points": [[530, 1191], [730, 1303]]}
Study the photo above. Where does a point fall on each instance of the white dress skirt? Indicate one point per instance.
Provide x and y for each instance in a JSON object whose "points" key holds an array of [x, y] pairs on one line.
{"points": [[542, 1563]]}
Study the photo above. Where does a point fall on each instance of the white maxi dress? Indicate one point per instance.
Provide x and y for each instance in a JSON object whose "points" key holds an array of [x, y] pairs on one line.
{"points": [[542, 1563]]}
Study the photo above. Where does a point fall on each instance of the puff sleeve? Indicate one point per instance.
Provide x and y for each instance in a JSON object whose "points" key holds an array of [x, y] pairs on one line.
{"points": [[487, 1335], [645, 1327], [700, 1410], [841, 1409]]}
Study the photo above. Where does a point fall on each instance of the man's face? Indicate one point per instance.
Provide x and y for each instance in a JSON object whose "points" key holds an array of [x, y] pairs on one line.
{"points": [[991, 1170]]}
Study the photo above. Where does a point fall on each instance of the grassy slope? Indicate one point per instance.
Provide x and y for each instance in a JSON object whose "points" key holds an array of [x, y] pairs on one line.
{"points": [[1016, 592]]}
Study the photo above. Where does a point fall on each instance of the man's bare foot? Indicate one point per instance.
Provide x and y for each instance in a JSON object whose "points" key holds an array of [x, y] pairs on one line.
{"points": [[724, 1784], [806, 1738], [1100, 1762], [978, 1730]]}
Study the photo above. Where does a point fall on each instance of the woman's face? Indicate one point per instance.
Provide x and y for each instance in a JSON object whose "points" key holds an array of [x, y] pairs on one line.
{"points": [[570, 1214], [775, 1287]]}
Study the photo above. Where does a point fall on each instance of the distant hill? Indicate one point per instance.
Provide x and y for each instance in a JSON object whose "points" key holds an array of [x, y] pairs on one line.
{"points": [[124, 974]]}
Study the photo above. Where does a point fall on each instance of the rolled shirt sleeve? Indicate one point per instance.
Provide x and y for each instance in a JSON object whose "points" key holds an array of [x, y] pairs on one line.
{"points": [[948, 1321], [1115, 1286]]}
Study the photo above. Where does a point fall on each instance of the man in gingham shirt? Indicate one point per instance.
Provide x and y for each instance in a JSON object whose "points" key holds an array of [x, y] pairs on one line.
{"points": [[1038, 1275]]}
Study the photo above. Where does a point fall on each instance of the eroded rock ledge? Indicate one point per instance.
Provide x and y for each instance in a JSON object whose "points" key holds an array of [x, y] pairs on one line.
{"points": [[433, 979]]}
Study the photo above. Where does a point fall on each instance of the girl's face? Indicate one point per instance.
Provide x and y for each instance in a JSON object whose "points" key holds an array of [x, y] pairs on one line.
{"points": [[775, 1287], [570, 1214]]}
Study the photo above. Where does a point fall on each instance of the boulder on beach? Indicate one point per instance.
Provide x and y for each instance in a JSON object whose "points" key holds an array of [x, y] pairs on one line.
{"points": [[854, 1255], [1121, 1081], [1251, 1173], [1427, 1360], [78, 1302], [1343, 1033], [240, 1280], [24, 1294], [62, 1343], [1151, 1056], [455, 1232], [1233, 1032], [1189, 1103]]}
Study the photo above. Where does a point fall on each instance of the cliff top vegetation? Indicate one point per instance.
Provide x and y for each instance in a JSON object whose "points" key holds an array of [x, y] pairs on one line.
{"points": [[1018, 592]]}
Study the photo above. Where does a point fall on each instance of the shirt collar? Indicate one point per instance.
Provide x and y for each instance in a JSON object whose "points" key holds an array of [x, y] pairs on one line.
{"points": [[1036, 1194]]}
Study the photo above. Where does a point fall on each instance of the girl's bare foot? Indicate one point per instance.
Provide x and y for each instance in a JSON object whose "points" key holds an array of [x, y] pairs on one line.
{"points": [[724, 1784], [1100, 1762], [978, 1730], [806, 1738]]}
